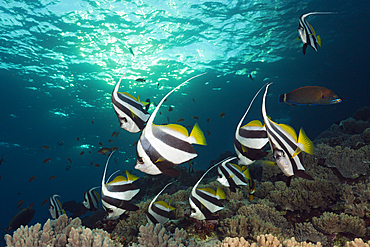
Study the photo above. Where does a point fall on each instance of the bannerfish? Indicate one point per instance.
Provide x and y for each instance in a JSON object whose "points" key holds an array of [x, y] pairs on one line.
{"points": [[117, 194], [130, 112], [91, 199], [251, 183], [251, 139], [310, 95], [159, 212], [286, 148], [162, 147], [55, 207], [307, 33], [204, 202], [22, 218], [231, 175]]}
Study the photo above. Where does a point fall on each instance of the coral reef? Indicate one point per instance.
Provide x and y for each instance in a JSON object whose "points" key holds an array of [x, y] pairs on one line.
{"points": [[157, 236], [349, 162], [356, 198], [306, 232], [333, 223], [301, 195], [59, 233]]}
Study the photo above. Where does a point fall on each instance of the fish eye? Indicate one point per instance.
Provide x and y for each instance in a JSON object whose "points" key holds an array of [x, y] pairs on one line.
{"points": [[193, 211], [124, 119], [140, 160], [219, 176]]}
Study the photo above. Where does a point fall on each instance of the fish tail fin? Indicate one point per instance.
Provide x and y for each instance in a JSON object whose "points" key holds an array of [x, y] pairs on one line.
{"points": [[220, 193], [318, 40], [282, 98], [198, 135], [308, 146]]}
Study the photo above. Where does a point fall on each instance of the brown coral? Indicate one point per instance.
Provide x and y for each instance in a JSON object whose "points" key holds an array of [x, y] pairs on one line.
{"points": [[333, 223]]}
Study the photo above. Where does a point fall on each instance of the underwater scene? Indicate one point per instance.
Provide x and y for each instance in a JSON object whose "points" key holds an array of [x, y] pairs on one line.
{"points": [[184, 123]]}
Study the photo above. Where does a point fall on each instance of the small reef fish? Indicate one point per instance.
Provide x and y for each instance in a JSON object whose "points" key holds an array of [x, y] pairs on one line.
{"points": [[162, 147], [310, 95], [195, 117], [91, 199], [22, 218], [100, 143], [130, 112], [78, 138], [46, 160], [110, 140], [82, 152], [180, 120], [44, 202], [286, 148], [170, 109], [70, 161], [20, 202], [131, 51], [159, 212], [60, 143], [55, 207], [140, 80], [52, 177], [222, 115], [68, 167], [104, 151], [31, 179], [46, 147], [206, 201], [117, 194], [31, 205], [251, 139], [208, 119], [307, 33]]}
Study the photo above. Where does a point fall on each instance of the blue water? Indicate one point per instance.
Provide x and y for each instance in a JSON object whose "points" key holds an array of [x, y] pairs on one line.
{"points": [[59, 62]]}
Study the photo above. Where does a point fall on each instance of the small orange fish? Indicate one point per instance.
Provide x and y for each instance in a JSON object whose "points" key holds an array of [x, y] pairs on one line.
{"points": [[208, 119], [222, 115], [195, 117], [82, 152], [113, 134], [92, 162], [180, 120], [70, 161], [97, 165], [46, 147], [208, 133], [100, 143], [193, 100], [20, 205], [20, 202], [46, 160], [89, 152], [92, 121], [110, 140], [44, 202], [31, 179], [52, 177], [114, 148], [78, 138], [31, 205], [170, 109]]}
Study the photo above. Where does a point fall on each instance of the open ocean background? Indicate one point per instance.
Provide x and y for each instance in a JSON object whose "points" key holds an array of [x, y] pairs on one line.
{"points": [[59, 62]]}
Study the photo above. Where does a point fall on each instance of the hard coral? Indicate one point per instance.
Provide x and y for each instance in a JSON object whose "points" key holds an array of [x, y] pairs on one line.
{"points": [[333, 223], [350, 163], [59, 233]]}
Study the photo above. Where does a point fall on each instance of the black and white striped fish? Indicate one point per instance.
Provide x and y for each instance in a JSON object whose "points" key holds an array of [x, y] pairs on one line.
{"points": [[286, 148], [55, 207], [117, 194], [162, 147], [91, 199], [250, 140], [307, 33], [159, 212], [233, 176], [206, 201], [130, 112]]}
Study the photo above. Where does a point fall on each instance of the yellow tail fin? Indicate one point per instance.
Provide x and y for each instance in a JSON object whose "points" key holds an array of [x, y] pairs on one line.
{"points": [[198, 135]]}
